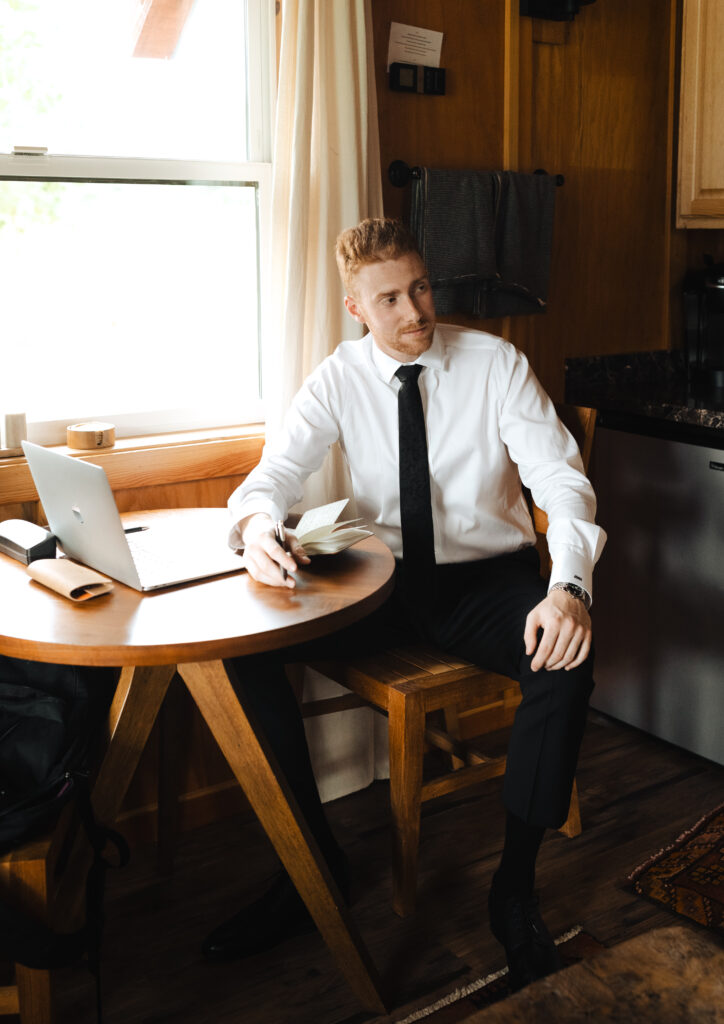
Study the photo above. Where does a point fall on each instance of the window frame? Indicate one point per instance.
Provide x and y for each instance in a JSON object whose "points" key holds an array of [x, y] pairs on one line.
{"points": [[256, 172]]}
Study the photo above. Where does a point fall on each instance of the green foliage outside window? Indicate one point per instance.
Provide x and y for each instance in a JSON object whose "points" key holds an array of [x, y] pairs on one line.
{"points": [[21, 207]]}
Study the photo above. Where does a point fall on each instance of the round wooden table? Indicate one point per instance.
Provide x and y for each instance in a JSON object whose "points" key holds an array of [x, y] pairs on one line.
{"points": [[188, 629], [219, 617]]}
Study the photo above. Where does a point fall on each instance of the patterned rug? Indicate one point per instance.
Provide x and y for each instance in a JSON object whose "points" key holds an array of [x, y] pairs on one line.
{"points": [[574, 946], [688, 876]]}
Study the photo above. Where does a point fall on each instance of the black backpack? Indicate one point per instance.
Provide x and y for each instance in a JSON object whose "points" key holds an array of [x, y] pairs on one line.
{"points": [[51, 717]]}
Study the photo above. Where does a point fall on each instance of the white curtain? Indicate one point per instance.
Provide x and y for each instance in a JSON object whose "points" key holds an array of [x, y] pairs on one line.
{"points": [[326, 177]]}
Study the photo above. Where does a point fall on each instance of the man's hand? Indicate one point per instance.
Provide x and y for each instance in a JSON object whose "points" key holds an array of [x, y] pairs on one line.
{"points": [[566, 638], [264, 558]]}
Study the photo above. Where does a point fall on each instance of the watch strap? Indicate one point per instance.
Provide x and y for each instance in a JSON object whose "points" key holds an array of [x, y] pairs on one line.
{"points": [[575, 591]]}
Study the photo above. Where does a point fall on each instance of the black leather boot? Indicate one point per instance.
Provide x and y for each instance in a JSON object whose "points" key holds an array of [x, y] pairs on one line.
{"points": [[515, 922]]}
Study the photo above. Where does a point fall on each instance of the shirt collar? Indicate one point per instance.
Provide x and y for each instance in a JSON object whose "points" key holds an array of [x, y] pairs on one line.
{"points": [[387, 366]]}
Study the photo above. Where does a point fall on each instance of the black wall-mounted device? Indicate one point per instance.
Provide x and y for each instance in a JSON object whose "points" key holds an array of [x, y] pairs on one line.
{"points": [[417, 78], [552, 10]]}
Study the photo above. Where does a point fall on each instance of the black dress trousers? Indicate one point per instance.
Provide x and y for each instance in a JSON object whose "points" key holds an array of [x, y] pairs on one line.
{"points": [[478, 612]]}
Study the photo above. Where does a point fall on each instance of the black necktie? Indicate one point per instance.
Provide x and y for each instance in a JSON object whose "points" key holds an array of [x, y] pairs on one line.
{"points": [[418, 545]]}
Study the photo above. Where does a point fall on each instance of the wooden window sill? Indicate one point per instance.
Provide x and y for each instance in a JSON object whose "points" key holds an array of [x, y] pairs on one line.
{"points": [[153, 459]]}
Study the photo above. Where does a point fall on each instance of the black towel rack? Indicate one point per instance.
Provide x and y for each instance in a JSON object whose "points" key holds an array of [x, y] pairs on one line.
{"points": [[400, 173]]}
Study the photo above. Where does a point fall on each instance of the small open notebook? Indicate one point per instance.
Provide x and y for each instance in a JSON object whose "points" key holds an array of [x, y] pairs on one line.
{"points": [[319, 533]]}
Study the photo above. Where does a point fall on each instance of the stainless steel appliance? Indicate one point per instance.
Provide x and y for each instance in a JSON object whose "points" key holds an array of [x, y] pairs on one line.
{"points": [[658, 606]]}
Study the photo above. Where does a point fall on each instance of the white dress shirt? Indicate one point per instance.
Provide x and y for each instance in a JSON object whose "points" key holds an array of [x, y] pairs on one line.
{"points": [[490, 425]]}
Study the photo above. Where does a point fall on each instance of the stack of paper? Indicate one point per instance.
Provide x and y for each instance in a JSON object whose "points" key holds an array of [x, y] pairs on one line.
{"points": [[319, 533]]}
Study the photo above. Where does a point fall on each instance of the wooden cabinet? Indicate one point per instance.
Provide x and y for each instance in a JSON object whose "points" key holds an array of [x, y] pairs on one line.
{"points": [[701, 135]]}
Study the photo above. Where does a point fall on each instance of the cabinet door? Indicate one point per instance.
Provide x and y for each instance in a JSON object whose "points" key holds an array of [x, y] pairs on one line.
{"points": [[701, 139]]}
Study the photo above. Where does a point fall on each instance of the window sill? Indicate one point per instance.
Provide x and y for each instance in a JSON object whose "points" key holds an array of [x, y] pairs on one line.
{"points": [[153, 459]]}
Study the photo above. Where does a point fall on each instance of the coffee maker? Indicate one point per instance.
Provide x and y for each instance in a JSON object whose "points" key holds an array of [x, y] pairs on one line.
{"points": [[704, 320]]}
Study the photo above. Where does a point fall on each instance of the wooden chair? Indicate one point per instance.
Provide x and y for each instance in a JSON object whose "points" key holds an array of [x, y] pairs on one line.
{"points": [[408, 684], [24, 876]]}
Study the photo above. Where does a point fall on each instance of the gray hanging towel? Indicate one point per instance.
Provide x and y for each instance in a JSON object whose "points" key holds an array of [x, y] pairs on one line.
{"points": [[485, 237]]}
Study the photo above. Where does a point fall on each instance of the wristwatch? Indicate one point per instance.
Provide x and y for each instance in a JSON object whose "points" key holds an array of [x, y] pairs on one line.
{"points": [[574, 591]]}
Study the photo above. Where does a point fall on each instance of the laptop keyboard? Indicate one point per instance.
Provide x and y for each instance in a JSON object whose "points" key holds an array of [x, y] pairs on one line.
{"points": [[149, 561], [156, 564]]}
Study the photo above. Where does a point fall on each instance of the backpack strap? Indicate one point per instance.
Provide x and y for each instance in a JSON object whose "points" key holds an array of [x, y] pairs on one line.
{"points": [[99, 837]]}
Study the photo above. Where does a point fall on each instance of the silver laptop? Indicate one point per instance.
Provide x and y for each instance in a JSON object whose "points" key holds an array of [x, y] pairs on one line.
{"points": [[82, 513]]}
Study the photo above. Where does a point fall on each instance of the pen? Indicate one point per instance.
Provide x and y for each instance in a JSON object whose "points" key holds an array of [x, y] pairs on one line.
{"points": [[281, 538]]}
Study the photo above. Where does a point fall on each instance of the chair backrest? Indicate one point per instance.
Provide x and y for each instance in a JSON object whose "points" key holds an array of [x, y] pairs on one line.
{"points": [[581, 421]]}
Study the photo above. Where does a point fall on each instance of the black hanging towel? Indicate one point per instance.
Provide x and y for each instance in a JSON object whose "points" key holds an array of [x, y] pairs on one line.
{"points": [[485, 237]]}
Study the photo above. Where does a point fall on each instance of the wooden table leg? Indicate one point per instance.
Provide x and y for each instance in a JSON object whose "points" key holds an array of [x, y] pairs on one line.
{"points": [[135, 706], [174, 738], [255, 767]]}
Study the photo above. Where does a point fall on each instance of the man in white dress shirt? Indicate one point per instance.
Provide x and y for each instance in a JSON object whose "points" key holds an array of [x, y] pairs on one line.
{"points": [[489, 426]]}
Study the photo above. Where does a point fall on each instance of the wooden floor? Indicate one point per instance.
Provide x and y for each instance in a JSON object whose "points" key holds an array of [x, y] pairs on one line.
{"points": [[637, 794]]}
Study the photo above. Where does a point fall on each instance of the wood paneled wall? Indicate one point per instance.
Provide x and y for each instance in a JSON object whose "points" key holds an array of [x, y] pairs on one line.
{"points": [[601, 111], [594, 100], [466, 127]]}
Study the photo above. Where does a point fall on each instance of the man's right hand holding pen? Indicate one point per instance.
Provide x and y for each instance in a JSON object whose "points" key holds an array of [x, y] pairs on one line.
{"points": [[271, 552]]}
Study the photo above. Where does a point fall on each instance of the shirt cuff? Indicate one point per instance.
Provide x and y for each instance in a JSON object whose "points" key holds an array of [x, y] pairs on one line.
{"points": [[572, 567], [242, 512], [575, 546]]}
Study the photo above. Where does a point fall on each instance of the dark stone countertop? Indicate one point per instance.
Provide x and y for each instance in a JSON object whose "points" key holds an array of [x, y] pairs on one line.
{"points": [[645, 392]]}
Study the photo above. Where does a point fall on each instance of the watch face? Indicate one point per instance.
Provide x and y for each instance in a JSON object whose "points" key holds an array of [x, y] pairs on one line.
{"points": [[574, 591], [580, 593]]}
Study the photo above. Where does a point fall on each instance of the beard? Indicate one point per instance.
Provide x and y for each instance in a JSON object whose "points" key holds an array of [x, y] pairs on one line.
{"points": [[414, 340]]}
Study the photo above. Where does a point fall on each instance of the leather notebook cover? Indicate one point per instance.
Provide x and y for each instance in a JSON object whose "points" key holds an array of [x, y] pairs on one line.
{"points": [[72, 580]]}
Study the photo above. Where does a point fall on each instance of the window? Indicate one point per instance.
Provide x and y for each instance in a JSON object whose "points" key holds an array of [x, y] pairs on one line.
{"points": [[134, 170]]}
